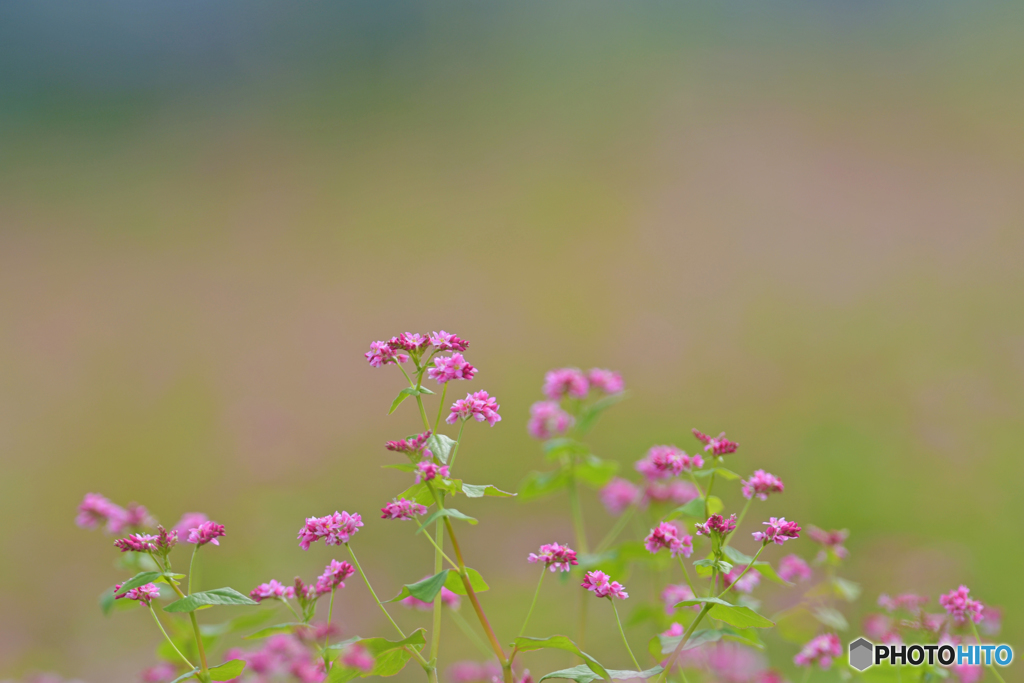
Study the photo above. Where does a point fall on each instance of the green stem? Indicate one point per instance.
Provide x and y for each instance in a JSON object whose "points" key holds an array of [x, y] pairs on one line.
{"points": [[696, 483], [623, 634], [686, 636], [745, 569], [620, 524], [437, 548], [977, 637], [455, 449], [327, 638], [686, 573], [743, 513], [383, 609], [204, 674], [707, 494], [173, 646], [465, 627], [543, 570], [285, 601], [440, 407], [435, 634], [191, 564], [577, 515]]}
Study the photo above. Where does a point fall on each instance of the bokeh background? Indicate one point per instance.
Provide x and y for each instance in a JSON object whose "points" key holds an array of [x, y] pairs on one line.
{"points": [[800, 222]]}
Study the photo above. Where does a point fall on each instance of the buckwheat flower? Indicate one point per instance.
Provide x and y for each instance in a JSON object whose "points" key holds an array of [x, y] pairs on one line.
{"points": [[547, 419], [877, 626], [675, 630], [207, 532], [137, 543], [443, 341], [716, 524], [779, 531], [746, 584], [793, 569], [272, 589], [601, 585], [959, 605], [966, 673], [302, 591], [661, 462], [718, 445], [673, 492], [448, 599], [96, 509], [481, 406], [556, 557], [382, 353], [333, 577], [675, 594], [760, 484], [910, 602], [357, 657], [414, 445], [334, 529], [447, 368], [164, 672], [426, 470], [189, 520], [409, 341], [619, 494], [992, 621], [666, 535], [144, 594], [566, 382], [402, 509], [832, 540], [473, 672], [769, 676], [605, 380], [821, 649]]}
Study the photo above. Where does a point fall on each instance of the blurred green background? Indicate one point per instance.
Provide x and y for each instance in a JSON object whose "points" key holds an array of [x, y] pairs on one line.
{"points": [[799, 222]]}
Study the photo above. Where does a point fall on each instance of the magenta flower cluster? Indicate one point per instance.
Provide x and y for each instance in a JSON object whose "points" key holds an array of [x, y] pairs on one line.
{"points": [[779, 531], [718, 445], [144, 594], [548, 420], [961, 607], [793, 569], [333, 577], [480, 406], [667, 536], [601, 585], [334, 529], [448, 368], [574, 383], [206, 532], [96, 510], [716, 524], [428, 471], [822, 649], [556, 557], [663, 462], [414, 445], [402, 509], [760, 484], [273, 589]]}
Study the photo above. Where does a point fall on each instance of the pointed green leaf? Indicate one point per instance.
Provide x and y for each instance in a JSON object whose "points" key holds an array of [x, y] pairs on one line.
{"points": [[389, 656], [847, 590], [556, 448], [736, 615], [736, 556], [140, 579], [831, 617], [766, 570], [524, 644], [446, 512], [590, 413], [663, 645], [710, 563], [274, 630], [455, 585], [481, 490], [583, 674], [595, 472], [424, 590], [228, 670], [217, 596], [402, 395], [441, 446], [185, 676], [695, 509], [417, 493], [540, 484]]}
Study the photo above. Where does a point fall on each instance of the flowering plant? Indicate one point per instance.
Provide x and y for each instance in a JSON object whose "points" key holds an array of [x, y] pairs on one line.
{"points": [[707, 625]]}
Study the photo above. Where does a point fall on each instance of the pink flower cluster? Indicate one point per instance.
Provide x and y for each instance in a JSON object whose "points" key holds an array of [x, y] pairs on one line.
{"points": [[619, 494], [426, 471], [358, 657], [447, 368], [761, 484], [910, 602], [664, 462], [96, 509], [959, 605], [556, 557], [474, 672], [606, 381], [402, 509], [832, 540], [675, 594], [413, 445], [716, 524], [718, 445], [793, 569], [448, 599], [189, 520], [574, 383], [335, 529], [443, 341], [779, 531], [601, 585], [144, 594], [207, 532], [137, 543], [333, 577], [666, 535], [273, 589], [480, 406], [746, 584], [674, 492], [547, 419], [282, 655], [382, 353], [821, 649]]}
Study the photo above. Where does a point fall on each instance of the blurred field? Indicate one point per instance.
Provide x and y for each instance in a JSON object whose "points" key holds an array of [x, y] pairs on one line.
{"points": [[799, 222]]}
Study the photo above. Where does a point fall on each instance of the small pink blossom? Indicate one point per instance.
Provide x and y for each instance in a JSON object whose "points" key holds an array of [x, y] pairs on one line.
{"points": [[547, 420], [821, 649], [761, 484], [792, 568], [414, 445], [959, 605], [832, 540], [716, 524], [601, 585], [675, 630], [877, 627], [666, 535], [382, 353], [674, 594], [447, 368], [619, 494], [138, 543], [426, 470], [556, 557], [674, 492], [335, 529], [911, 602], [333, 577], [966, 673], [663, 462], [207, 532], [402, 509], [779, 531], [566, 382], [409, 341], [357, 657], [189, 520], [443, 341], [138, 516], [769, 676], [473, 672], [747, 583], [144, 594], [480, 406], [160, 673], [605, 380], [271, 589], [96, 509], [718, 445]]}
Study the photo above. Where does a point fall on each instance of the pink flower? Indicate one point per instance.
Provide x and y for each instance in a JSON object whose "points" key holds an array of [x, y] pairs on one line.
{"points": [[96, 509], [547, 419], [189, 520], [556, 557], [443, 341], [426, 470], [160, 673], [663, 462], [382, 353], [877, 627], [334, 529], [965, 673], [473, 672], [718, 445], [566, 382], [769, 676], [832, 540], [675, 630], [271, 589], [448, 599], [402, 509], [357, 657], [144, 594], [716, 524], [207, 532], [413, 445], [761, 484], [779, 531], [666, 535], [137, 543], [138, 516], [447, 368], [747, 583], [619, 494], [333, 577], [605, 380], [675, 492], [480, 406], [907, 601], [601, 585], [792, 568], [409, 341], [959, 605], [674, 594], [821, 649]]}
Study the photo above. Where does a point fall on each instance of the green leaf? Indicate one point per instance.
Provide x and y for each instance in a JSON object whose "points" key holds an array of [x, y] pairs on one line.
{"points": [[140, 579], [401, 467], [747, 636], [481, 490], [540, 484], [185, 676], [424, 590], [664, 645], [831, 617], [455, 585], [418, 493], [847, 590], [389, 656], [274, 630], [766, 570], [740, 617], [736, 556], [441, 446], [402, 395], [446, 512], [525, 644], [715, 505], [582, 674], [590, 413], [228, 670], [695, 509], [727, 474], [595, 472], [710, 563], [217, 596], [555, 448], [796, 625]]}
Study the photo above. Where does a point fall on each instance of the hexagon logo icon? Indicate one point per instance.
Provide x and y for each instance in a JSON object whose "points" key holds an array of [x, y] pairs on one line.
{"points": [[861, 654]]}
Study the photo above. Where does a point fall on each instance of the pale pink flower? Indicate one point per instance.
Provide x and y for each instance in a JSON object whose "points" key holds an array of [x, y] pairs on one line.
{"points": [[675, 630], [207, 532], [959, 605], [547, 419], [160, 673], [357, 657], [409, 341], [716, 524], [769, 676], [992, 621], [556, 557], [473, 672], [414, 445], [718, 445], [426, 471], [605, 380], [96, 509], [566, 382], [675, 492], [911, 602], [792, 568], [966, 673], [601, 585], [144, 594], [447, 368], [138, 543], [382, 353], [877, 627], [666, 535], [444, 341], [674, 594], [747, 583], [271, 589], [779, 531], [189, 520], [333, 577], [480, 406], [619, 494], [821, 649], [138, 516], [402, 509], [335, 529], [761, 484], [832, 540], [662, 462]]}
